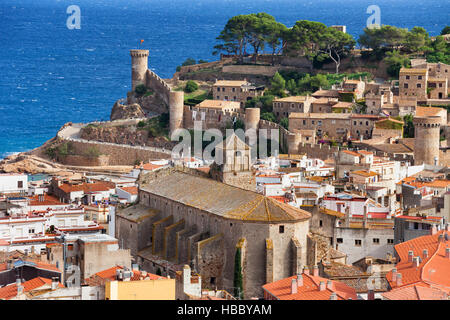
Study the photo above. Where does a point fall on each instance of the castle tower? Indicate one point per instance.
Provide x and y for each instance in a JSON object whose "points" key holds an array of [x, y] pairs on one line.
{"points": [[427, 139], [252, 117], [294, 140], [176, 109], [139, 66]]}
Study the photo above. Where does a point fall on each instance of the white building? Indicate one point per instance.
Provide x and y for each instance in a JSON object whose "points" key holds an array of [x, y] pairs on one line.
{"points": [[13, 183]]}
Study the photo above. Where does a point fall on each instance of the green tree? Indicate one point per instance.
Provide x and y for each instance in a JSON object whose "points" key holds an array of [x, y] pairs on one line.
{"points": [[268, 116], [446, 30], [439, 51], [191, 86], [416, 39], [285, 123], [238, 279], [408, 129], [277, 85], [235, 37], [291, 86], [335, 44], [140, 89], [386, 37], [395, 61]]}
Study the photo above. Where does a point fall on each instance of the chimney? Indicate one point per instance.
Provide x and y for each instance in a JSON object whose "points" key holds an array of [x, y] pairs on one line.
{"points": [[9, 264], [433, 229], [19, 286], [299, 280], [447, 253], [293, 286], [316, 271], [55, 281], [425, 254], [322, 286], [399, 280], [333, 296], [306, 270], [370, 295], [441, 238], [410, 255], [186, 274], [330, 285], [394, 275], [416, 261]]}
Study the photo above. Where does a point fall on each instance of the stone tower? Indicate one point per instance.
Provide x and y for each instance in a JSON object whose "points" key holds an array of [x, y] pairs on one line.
{"points": [[294, 140], [139, 67], [427, 139], [236, 166], [176, 110], [252, 116]]}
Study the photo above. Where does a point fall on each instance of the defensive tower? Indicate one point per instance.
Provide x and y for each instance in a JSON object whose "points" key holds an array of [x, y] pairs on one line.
{"points": [[139, 66], [427, 138]]}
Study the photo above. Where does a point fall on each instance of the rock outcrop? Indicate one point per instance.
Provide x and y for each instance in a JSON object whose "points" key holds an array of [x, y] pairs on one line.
{"points": [[121, 111]]}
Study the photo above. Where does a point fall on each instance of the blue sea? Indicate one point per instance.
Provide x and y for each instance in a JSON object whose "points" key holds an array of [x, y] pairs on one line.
{"points": [[50, 75]]}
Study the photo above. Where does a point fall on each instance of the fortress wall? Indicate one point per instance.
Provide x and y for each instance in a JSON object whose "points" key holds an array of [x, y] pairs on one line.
{"points": [[207, 65], [158, 239], [154, 82], [268, 71], [84, 161], [119, 154], [211, 119], [182, 244]]}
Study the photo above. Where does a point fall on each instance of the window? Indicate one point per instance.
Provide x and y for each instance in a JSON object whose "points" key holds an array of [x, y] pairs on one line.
{"points": [[319, 123], [223, 89], [233, 89], [390, 241], [358, 243], [339, 240], [218, 97], [419, 77], [304, 122], [354, 123], [419, 85], [376, 241], [213, 281], [281, 229], [367, 123], [218, 89], [407, 77], [19, 184], [320, 223], [312, 121], [405, 86]]}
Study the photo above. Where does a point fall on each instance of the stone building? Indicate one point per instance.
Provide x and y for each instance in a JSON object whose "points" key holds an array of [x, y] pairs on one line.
{"points": [[203, 223], [334, 125], [413, 83], [427, 82], [283, 107], [236, 90], [427, 140]]}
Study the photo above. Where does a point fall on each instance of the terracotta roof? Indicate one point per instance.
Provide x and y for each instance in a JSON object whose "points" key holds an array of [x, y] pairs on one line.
{"points": [[428, 111], [294, 99], [415, 292], [431, 184], [432, 271], [351, 153], [364, 173], [36, 263], [221, 199], [326, 93], [219, 104], [281, 289], [342, 104], [230, 83], [101, 277], [87, 187], [130, 190], [10, 291], [413, 71], [47, 201]]}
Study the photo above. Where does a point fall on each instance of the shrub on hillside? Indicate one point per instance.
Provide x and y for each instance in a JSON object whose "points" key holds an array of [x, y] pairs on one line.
{"points": [[191, 86]]}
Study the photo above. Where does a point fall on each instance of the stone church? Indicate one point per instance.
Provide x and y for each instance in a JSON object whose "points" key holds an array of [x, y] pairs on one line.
{"points": [[184, 218]]}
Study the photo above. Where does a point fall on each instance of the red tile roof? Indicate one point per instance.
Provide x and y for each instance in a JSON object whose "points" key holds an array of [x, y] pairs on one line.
{"points": [[130, 190], [10, 291], [415, 292], [432, 271], [281, 289], [47, 201], [110, 275]]}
